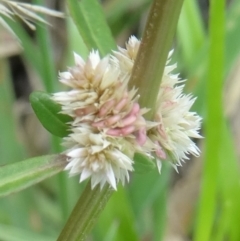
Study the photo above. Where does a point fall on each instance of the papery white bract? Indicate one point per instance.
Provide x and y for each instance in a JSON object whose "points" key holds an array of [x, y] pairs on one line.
{"points": [[97, 156], [175, 124], [108, 123], [107, 126]]}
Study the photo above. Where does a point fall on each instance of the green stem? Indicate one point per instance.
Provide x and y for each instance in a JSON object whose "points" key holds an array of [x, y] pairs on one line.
{"points": [[85, 213], [147, 74], [151, 60]]}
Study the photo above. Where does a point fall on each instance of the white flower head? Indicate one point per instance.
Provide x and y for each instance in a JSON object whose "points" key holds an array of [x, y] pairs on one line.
{"points": [[177, 124], [174, 124], [96, 156], [108, 124], [107, 127]]}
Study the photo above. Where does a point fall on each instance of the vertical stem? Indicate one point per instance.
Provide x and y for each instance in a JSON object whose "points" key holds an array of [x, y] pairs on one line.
{"points": [[151, 60], [146, 76], [85, 213]]}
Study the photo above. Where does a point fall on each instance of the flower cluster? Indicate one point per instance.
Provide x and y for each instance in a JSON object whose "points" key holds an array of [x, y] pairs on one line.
{"points": [[108, 124]]}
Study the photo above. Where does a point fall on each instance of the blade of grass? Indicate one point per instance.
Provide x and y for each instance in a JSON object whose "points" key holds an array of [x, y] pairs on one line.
{"points": [[8, 233], [198, 66], [11, 150], [75, 43], [31, 52], [229, 180], [48, 73], [18, 176], [214, 122], [190, 30], [117, 10], [8, 127], [123, 15], [90, 21]]}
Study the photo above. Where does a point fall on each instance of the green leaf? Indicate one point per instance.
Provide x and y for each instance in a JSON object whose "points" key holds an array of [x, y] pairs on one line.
{"points": [[8, 233], [190, 33], [214, 122], [8, 127], [47, 112], [143, 164], [20, 175], [90, 21]]}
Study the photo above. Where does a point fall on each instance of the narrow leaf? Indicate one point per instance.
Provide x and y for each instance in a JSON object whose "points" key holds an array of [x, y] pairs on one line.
{"points": [[9, 233], [20, 175], [47, 112], [90, 21], [214, 122]]}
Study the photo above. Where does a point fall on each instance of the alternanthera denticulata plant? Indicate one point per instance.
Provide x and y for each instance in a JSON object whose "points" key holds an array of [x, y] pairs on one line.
{"points": [[108, 124], [119, 105]]}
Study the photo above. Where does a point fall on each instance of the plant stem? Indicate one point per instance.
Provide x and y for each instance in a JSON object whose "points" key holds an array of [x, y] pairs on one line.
{"points": [[151, 59], [85, 213], [146, 76]]}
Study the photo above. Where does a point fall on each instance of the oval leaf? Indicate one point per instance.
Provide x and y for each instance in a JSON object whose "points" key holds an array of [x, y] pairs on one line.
{"points": [[48, 114], [143, 164], [18, 176]]}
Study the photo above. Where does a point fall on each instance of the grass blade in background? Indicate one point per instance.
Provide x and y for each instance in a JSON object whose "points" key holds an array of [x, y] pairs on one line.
{"points": [[8, 139], [198, 66], [9, 233], [229, 180], [92, 26], [232, 45], [18, 176], [49, 76], [214, 122], [30, 51], [190, 32], [75, 43], [123, 15]]}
